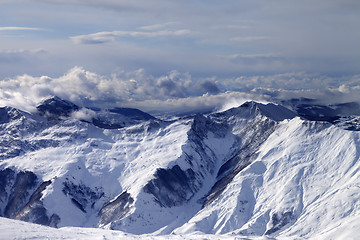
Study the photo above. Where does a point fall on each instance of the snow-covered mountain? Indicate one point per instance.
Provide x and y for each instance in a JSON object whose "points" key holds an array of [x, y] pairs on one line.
{"points": [[258, 169]]}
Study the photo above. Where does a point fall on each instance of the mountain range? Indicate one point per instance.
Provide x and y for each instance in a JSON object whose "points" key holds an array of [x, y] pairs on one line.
{"points": [[250, 171]]}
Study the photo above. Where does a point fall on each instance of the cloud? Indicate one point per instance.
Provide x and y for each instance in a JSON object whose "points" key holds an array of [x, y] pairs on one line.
{"points": [[174, 92], [249, 38], [196, 104], [95, 38], [289, 81], [252, 62], [158, 26], [104, 37], [253, 56], [20, 29], [15, 55], [84, 114], [86, 88], [115, 5], [255, 59], [210, 87], [22, 51], [232, 27]]}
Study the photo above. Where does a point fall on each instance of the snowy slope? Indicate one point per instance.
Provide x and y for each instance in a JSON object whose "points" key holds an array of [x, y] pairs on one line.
{"points": [[304, 177], [13, 229], [250, 171]]}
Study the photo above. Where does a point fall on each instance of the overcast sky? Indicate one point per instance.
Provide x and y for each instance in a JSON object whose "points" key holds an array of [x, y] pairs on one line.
{"points": [[177, 51]]}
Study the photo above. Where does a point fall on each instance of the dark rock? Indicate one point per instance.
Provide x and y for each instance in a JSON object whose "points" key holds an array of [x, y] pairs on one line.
{"points": [[56, 108], [279, 220], [82, 196], [4, 116], [120, 117], [21, 194], [116, 209], [261, 131], [34, 211], [171, 187], [317, 113], [54, 221], [7, 178], [24, 184]]}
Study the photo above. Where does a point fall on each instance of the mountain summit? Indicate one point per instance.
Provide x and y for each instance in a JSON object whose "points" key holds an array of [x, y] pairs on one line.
{"points": [[56, 107], [270, 110]]}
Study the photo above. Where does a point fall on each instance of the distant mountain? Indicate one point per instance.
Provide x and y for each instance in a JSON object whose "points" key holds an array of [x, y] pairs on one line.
{"points": [[345, 115], [55, 108], [120, 117], [132, 113], [254, 170]]}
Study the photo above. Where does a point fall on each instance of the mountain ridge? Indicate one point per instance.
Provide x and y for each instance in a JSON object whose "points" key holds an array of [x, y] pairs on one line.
{"points": [[162, 177]]}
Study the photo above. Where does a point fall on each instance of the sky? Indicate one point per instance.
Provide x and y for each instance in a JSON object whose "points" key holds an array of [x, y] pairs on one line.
{"points": [[178, 55]]}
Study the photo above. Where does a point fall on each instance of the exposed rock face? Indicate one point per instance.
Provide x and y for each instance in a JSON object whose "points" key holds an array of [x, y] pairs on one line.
{"points": [[23, 184], [21, 197], [82, 196], [115, 210], [278, 221], [35, 212], [172, 187]]}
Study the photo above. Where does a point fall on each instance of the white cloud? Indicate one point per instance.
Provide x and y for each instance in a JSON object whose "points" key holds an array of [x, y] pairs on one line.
{"points": [[289, 81], [87, 88], [103, 37], [250, 56], [84, 114], [195, 104], [16, 53], [173, 92], [158, 26], [20, 29]]}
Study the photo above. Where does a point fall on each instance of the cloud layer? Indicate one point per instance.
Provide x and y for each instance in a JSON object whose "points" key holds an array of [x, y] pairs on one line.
{"points": [[173, 92]]}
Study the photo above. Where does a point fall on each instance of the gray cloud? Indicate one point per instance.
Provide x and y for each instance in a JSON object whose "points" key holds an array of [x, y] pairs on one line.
{"points": [[174, 92], [87, 88], [210, 87]]}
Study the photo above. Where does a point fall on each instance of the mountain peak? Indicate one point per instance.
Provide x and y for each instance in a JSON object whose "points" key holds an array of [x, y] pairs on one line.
{"points": [[270, 110], [55, 108], [274, 111]]}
